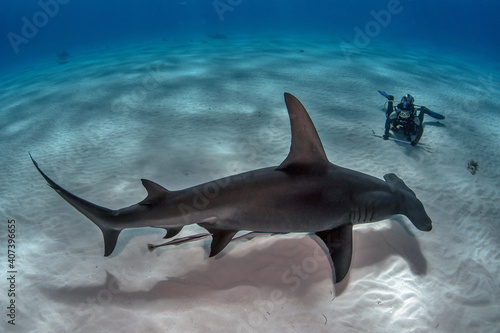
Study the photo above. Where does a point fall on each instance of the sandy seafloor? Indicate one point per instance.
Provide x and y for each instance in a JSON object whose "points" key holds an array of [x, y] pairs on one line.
{"points": [[184, 112]]}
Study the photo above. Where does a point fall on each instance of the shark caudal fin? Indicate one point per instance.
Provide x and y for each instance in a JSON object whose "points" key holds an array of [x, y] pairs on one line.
{"points": [[102, 217], [412, 207]]}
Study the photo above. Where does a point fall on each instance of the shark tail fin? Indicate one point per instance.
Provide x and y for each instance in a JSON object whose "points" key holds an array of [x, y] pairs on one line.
{"points": [[101, 216]]}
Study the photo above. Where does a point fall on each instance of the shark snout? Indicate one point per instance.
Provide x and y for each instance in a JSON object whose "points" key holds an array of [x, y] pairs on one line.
{"points": [[426, 227], [411, 206], [419, 218], [417, 215]]}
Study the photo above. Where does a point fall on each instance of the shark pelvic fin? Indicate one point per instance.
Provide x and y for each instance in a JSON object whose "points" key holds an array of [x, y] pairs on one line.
{"points": [[306, 151], [220, 238], [155, 193], [171, 232], [110, 239], [339, 244]]}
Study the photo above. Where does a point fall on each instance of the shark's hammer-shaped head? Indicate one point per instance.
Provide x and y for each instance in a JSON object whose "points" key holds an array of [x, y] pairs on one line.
{"points": [[410, 205]]}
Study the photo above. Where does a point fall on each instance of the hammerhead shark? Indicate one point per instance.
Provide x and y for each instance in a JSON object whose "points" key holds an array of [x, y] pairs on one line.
{"points": [[304, 194]]}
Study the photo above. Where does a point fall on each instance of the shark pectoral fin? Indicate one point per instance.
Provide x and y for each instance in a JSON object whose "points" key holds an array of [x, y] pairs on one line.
{"points": [[110, 239], [155, 192], [171, 232], [339, 244]]}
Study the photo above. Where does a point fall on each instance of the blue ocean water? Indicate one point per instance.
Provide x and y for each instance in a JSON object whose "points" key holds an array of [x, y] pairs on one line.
{"points": [[38, 28], [184, 91]]}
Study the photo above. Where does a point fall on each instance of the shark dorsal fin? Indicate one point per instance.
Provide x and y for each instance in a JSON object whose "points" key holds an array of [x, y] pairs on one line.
{"points": [[306, 152], [155, 192]]}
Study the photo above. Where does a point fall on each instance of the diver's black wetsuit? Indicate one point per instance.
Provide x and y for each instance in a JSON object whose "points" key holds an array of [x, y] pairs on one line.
{"points": [[405, 104]]}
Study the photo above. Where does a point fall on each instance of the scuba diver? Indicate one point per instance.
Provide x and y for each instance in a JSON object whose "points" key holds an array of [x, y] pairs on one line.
{"points": [[406, 117]]}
